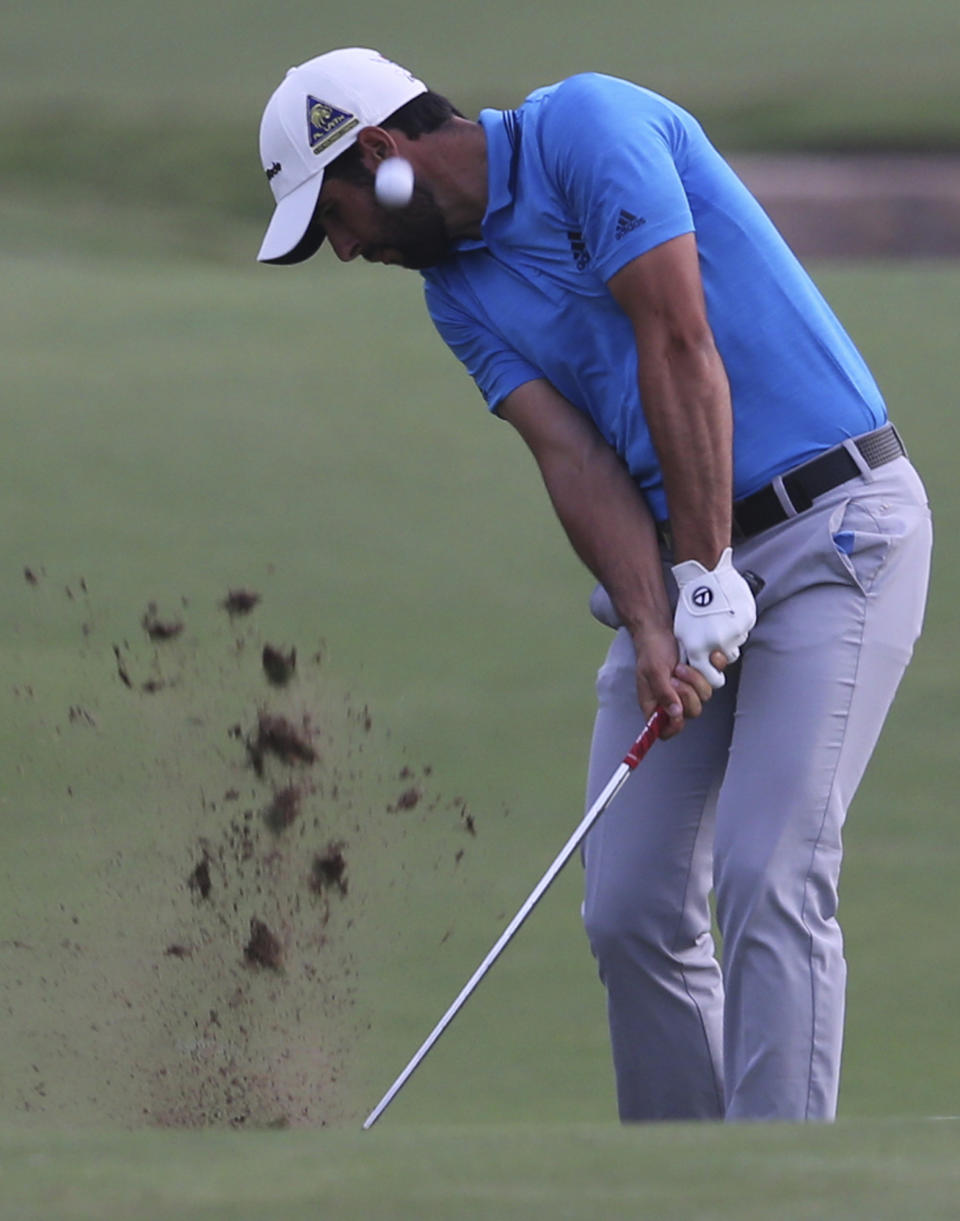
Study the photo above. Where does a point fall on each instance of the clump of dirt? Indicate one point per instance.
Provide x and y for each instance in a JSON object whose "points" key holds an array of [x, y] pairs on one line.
{"points": [[199, 879], [409, 799], [278, 666], [284, 809], [240, 602], [122, 672], [329, 870], [157, 628], [276, 736], [264, 949]]}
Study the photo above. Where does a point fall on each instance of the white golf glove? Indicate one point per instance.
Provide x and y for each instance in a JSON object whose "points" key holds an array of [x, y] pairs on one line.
{"points": [[715, 611]]}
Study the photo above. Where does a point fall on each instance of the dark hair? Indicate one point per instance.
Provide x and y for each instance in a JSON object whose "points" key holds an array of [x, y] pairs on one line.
{"points": [[421, 115]]}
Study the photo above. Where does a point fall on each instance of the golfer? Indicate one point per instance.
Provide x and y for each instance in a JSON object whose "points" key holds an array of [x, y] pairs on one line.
{"points": [[705, 429]]}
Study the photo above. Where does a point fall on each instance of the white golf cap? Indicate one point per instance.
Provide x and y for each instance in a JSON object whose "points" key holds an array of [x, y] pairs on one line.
{"points": [[314, 116]]}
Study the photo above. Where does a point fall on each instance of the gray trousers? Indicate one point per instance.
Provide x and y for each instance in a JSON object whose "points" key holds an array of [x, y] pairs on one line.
{"points": [[749, 801]]}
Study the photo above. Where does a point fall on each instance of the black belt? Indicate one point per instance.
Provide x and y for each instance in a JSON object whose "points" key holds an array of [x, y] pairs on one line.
{"points": [[762, 509]]}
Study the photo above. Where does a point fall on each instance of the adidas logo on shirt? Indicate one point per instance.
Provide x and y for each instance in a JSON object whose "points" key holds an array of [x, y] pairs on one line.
{"points": [[627, 222]]}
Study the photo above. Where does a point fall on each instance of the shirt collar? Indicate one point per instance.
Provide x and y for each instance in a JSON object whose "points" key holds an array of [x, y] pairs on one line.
{"points": [[502, 129]]}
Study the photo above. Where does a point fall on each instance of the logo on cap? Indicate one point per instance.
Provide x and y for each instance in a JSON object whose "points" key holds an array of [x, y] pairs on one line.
{"points": [[325, 123]]}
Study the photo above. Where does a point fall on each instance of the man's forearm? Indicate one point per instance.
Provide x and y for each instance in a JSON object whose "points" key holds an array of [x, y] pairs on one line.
{"points": [[685, 393], [687, 406], [611, 529]]}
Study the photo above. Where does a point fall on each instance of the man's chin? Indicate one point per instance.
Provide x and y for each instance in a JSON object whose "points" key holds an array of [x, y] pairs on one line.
{"points": [[413, 258], [422, 258]]}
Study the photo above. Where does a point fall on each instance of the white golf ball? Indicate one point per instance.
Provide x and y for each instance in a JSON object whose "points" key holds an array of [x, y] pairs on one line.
{"points": [[394, 182]]}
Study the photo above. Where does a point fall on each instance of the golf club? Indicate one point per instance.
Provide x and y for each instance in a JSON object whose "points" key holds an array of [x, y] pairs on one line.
{"points": [[651, 731]]}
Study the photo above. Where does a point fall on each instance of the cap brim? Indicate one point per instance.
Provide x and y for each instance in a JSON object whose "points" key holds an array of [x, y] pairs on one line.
{"points": [[290, 224]]}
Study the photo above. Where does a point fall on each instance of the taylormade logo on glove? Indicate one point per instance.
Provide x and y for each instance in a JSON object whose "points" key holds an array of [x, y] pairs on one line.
{"points": [[715, 611]]}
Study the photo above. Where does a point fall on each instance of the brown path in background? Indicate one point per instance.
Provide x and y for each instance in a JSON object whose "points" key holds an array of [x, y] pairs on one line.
{"points": [[876, 206]]}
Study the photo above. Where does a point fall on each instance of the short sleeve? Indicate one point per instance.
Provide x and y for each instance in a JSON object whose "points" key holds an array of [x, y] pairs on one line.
{"points": [[495, 367], [613, 150]]}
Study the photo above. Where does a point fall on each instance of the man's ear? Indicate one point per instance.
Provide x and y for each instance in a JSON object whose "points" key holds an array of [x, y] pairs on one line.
{"points": [[376, 145]]}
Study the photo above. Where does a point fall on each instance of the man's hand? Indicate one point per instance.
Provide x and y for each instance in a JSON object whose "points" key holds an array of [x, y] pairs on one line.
{"points": [[664, 681], [715, 613]]}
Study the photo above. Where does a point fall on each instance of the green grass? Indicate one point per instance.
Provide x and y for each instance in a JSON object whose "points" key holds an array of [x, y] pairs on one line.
{"points": [[865, 1172]]}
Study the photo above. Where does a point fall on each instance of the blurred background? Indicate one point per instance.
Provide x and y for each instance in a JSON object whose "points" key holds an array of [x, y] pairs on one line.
{"points": [[180, 423], [152, 113]]}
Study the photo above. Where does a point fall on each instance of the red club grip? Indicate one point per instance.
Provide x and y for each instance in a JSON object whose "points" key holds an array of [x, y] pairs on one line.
{"points": [[651, 731]]}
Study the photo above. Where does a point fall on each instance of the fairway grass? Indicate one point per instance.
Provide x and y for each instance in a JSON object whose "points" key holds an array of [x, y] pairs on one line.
{"points": [[863, 1171]]}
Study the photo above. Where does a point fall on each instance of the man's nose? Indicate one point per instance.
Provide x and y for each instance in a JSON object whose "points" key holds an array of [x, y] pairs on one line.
{"points": [[345, 246]]}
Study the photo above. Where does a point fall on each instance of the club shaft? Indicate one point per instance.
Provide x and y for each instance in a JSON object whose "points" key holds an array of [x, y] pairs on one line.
{"points": [[650, 733]]}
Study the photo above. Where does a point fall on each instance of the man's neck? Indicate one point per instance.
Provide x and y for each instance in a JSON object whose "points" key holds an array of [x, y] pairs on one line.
{"points": [[453, 160]]}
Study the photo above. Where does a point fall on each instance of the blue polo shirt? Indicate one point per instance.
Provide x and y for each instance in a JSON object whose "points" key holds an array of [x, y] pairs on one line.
{"points": [[587, 175]]}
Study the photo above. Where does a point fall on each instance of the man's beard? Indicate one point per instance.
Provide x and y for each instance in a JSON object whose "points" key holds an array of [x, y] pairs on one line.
{"points": [[417, 232]]}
